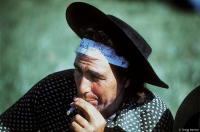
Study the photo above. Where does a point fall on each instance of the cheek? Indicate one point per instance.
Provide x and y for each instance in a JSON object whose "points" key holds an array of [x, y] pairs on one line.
{"points": [[105, 90]]}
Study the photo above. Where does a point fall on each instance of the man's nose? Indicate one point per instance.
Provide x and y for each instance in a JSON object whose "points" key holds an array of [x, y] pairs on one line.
{"points": [[84, 86]]}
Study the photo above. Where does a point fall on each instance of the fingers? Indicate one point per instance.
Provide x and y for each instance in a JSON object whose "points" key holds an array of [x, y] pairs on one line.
{"points": [[76, 127], [81, 121], [89, 110], [81, 125], [92, 120]]}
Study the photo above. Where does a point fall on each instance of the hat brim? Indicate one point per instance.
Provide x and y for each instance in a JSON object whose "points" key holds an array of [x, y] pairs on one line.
{"points": [[80, 15]]}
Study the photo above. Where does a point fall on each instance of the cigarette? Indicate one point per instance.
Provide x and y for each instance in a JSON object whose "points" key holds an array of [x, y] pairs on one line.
{"points": [[70, 111]]}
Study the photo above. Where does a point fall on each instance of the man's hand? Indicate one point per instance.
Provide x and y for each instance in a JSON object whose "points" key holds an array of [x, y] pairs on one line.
{"points": [[92, 121]]}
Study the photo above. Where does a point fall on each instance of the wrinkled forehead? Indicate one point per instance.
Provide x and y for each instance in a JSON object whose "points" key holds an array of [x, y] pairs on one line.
{"points": [[93, 54], [95, 58]]}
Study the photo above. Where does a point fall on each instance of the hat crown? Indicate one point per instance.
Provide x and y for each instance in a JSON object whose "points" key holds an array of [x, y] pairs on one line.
{"points": [[136, 39]]}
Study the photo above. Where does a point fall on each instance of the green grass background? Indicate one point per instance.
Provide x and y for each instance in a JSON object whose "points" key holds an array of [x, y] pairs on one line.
{"points": [[35, 41]]}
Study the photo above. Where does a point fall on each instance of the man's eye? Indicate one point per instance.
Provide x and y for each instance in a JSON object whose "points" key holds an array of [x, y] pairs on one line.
{"points": [[96, 78]]}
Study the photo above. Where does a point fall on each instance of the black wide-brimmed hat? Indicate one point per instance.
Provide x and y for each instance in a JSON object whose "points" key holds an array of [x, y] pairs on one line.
{"points": [[80, 15]]}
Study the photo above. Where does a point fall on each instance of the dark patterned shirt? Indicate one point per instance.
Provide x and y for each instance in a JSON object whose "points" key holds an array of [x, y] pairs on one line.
{"points": [[43, 108]]}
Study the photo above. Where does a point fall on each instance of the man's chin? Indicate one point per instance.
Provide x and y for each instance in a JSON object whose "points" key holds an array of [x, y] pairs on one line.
{"points": [[102, 110]]}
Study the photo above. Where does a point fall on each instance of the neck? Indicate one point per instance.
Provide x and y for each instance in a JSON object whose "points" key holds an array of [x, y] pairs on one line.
{"points": [[114, 107]]}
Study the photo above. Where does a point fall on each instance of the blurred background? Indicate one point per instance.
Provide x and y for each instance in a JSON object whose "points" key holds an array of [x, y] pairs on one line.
{"points": [[35, 41]]}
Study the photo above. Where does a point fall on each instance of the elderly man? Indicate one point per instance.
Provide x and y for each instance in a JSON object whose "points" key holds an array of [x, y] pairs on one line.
{"points": [[106, 90]]}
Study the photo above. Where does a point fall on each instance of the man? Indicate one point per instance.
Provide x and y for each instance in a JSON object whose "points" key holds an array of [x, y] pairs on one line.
{"points": [[106, 90]]}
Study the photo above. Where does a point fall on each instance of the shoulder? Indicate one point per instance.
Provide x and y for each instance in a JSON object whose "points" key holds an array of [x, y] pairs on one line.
{"points": [[55, 93], [61, 82], [43, 106], [57, 79], [161, 115], [63, 75], [154, 105], [152, 114]]}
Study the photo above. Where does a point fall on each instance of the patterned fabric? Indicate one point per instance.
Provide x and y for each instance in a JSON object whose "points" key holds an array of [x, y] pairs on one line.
{"points": [[152, 115], [45, 105]]}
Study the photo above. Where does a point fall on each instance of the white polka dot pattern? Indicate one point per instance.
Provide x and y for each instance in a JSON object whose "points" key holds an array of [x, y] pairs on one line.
{"points": [[152, 115], [44, 108]]}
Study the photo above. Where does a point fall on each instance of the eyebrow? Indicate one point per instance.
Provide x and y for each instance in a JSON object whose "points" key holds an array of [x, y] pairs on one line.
{"points": [[93, 73]]}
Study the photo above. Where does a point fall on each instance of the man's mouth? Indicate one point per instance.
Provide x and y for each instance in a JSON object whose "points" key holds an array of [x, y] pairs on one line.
{"points": [[90, 98]]}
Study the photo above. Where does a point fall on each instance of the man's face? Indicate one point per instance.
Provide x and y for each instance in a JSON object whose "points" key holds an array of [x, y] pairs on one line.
{"points": [[97, 84]]}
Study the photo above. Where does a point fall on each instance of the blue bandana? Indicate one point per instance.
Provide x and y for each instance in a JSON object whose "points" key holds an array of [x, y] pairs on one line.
{"points": [[88, 46]]}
